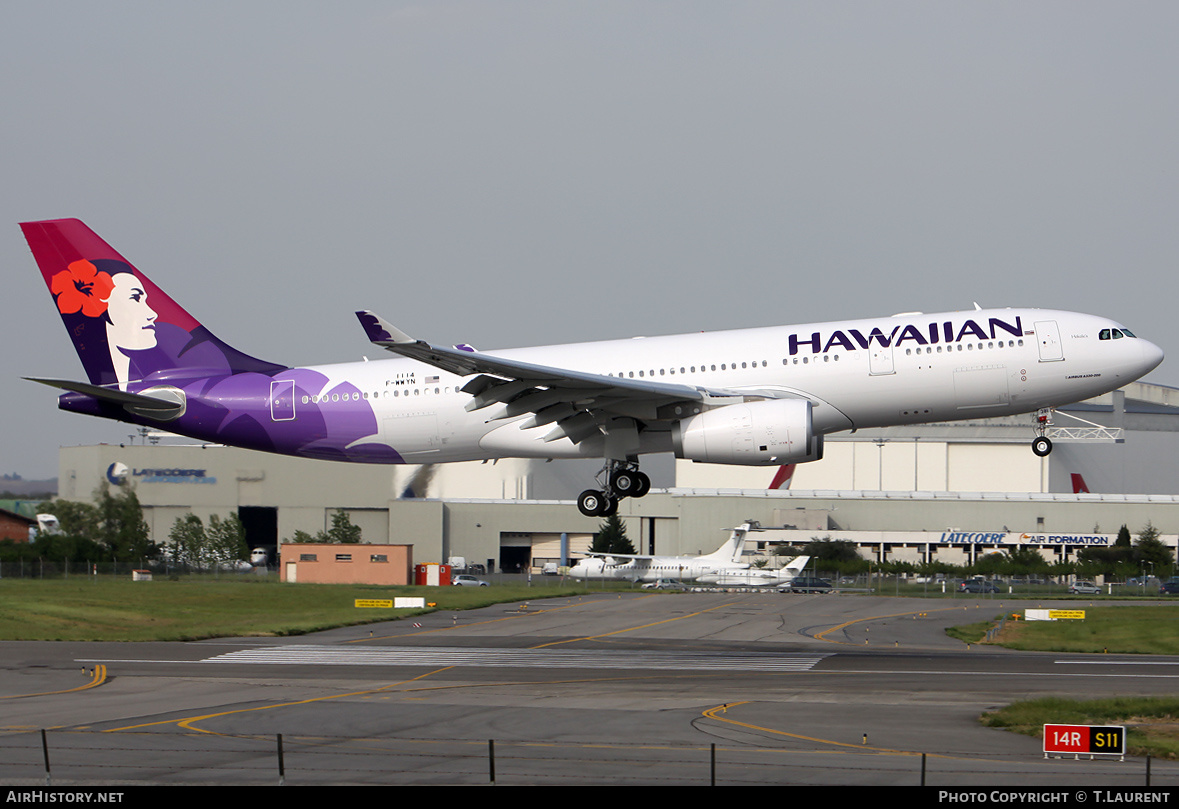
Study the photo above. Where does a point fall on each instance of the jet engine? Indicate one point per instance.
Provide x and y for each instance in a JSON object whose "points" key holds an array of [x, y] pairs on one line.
{"points": [[763, 433]]}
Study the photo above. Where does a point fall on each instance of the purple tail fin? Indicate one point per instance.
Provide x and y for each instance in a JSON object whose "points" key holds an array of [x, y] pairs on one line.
{"points": [[124, 327]]}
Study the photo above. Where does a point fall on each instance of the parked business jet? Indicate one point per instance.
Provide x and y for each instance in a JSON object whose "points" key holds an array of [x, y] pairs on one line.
{"points": [[761, 396], [758, 577], [722, 566]]}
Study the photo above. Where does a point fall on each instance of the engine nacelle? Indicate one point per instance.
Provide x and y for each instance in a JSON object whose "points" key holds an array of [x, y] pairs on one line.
{"points": [[765, 433]]}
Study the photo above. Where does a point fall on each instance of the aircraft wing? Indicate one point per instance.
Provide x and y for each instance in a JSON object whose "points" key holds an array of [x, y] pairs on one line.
{"points": [[610, 557], [579, 403]]}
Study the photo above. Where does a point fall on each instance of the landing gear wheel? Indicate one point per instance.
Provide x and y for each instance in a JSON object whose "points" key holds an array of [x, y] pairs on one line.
{"points": [[628, 483], [624, 483], [1041, 446], [644, 485], [592, 503], [611, 507]]}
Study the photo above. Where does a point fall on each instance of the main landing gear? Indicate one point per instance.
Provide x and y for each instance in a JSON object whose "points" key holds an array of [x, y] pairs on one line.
{"points": [[1041, 445], [622, 479]]}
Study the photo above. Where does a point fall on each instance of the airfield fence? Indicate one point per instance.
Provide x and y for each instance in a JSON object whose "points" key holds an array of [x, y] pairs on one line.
{"points": [[65, 757], [876, 584], [49, 569]]}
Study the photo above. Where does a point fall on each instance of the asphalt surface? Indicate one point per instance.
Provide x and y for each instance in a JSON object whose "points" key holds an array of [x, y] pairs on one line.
{"points": [[634, 689]]}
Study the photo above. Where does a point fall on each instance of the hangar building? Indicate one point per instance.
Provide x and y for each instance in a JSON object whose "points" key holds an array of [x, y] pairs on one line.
{"points": [[1113, 464]]}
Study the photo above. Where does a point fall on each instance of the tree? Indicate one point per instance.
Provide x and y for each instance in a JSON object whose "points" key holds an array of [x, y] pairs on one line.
{"points": [[835, 555], [124, 530], [191, 543], [116, 521], [342, 532], [1023, 561], [1123, 540], [186, 541], [227, 538], [76, 519], [67, 548], [1149, 549], [611, 537]]}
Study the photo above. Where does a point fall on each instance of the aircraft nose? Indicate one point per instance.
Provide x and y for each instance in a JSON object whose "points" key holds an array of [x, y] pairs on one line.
{"points": [[1152, 355]]}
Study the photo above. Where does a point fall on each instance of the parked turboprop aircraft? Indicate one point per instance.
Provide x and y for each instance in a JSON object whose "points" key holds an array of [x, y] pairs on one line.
{"points": [[722, 566], [761, 396]]}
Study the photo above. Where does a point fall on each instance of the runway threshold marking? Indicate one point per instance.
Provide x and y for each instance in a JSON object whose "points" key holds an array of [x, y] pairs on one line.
{"points": [[97, 678], [537, 657]]}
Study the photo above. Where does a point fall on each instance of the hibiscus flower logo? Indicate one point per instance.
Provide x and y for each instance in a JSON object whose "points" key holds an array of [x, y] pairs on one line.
{"points": [[81, 288]]}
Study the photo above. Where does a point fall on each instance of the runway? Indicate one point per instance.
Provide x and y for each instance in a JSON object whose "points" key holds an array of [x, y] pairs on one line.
{"points": [[631, 690]]}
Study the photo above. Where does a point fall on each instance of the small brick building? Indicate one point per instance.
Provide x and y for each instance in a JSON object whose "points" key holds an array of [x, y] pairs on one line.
{"points": [[311, 563], [15, 526]]}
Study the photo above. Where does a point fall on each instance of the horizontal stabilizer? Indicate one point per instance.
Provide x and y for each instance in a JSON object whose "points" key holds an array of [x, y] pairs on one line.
{"points": [[154, 407]]}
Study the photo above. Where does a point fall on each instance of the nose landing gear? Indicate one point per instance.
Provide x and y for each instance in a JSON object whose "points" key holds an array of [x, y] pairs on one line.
{"points": [[1041, 445], [622, 479]]}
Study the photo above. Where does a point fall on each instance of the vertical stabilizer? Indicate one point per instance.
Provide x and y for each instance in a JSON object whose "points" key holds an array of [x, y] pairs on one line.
{"points": [[123, 326]]}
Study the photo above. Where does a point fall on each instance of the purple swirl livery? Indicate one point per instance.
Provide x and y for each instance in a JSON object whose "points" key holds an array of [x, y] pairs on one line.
{"points": [[135, 340], [762, 396]]}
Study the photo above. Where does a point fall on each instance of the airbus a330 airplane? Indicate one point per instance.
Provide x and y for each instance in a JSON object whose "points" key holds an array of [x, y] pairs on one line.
{"points": [[761, 396], [722, 566]]}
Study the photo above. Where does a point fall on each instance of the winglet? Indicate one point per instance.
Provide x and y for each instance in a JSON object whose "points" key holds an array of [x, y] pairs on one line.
{"points": [[380, 330]]}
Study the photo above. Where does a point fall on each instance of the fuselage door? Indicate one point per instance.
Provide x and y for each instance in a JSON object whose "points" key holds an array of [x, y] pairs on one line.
{"points": [[282, 400], [880, 360], [1048, 340]]}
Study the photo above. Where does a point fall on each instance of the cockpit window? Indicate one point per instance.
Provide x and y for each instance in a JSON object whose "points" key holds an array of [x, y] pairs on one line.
{"points": [[1128, 333], [1104, 335], [1114, 334], [1117, 334]]}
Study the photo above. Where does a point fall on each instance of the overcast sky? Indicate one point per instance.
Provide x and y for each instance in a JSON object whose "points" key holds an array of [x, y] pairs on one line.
{"points": [[517, 173]]}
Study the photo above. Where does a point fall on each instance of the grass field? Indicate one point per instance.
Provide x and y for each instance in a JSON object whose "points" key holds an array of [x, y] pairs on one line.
{"points": [[195, 608], [1113, 630], [1152, 723]]}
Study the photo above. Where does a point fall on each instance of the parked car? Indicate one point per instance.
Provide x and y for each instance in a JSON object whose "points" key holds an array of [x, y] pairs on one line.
{"points": [[464, 580], [1084, 588], [1170, 587], [806, 584], [977, 586], [665, 584]]}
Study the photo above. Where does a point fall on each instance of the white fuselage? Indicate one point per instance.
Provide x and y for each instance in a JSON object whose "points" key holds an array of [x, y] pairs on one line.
{"points": [[871, 373], [652, 568]]}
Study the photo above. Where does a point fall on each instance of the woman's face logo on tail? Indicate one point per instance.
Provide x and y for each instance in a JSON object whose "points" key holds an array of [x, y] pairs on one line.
{"points": [[132, 323]]}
